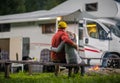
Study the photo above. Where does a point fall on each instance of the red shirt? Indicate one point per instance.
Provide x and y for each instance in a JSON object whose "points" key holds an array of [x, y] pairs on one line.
{"points": [[60, 36]]}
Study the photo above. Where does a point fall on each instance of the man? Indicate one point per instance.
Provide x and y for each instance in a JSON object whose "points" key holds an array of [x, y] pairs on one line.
{"points": [[61, 35]]}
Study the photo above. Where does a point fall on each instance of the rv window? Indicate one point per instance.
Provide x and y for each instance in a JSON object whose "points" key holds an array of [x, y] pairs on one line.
{"points": [[48, 28], [96, 31], [91, 7], [92, 30], [102, 33], [114, 29], [118, 26], [117, 0]]}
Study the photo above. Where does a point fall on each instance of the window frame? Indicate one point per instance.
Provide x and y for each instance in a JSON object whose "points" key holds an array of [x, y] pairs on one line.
{"points": [[48, 28]]}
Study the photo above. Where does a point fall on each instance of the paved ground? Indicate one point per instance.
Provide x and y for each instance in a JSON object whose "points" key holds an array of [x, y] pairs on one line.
{"points": [[100, 71]]}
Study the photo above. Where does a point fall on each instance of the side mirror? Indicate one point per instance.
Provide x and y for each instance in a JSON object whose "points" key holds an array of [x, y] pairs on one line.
{"points": [[109, 36]]}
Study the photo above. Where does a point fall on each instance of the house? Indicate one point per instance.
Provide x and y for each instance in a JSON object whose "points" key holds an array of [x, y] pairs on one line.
{"points": [[27, 34]]}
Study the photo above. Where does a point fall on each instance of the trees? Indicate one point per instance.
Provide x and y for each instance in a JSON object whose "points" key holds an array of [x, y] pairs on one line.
{"points": [[12, 6], [20, 6], [52, 3], [32, 5]]}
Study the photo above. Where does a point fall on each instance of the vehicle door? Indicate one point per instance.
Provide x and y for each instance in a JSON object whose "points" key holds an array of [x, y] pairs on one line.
{"points": [[95, 40]]}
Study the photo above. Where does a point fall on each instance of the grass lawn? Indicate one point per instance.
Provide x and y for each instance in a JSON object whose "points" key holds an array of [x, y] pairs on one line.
{"points": [[62, 78]]}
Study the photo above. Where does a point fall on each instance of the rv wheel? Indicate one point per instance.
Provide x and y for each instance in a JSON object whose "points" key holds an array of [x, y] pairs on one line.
{"points": [[111, 62]]}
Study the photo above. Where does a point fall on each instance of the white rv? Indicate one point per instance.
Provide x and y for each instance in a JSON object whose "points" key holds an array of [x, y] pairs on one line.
{"points": [[99, 33], [100, 38]]}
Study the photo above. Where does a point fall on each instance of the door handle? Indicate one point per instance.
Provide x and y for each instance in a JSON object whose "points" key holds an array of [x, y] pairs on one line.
{"points": [[86, 40]]}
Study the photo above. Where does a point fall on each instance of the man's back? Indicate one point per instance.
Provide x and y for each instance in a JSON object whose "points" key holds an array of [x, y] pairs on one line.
{"points": [[56, 40]]}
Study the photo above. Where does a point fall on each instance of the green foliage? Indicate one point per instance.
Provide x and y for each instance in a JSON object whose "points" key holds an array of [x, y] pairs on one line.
{"points": [[11, 6], [32, 5], [51, 3], [51, 78], [20, 6]]}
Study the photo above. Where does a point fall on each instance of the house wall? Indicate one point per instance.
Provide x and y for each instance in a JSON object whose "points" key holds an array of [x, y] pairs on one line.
{"points": [[38, 41], [73, 28], [15, 48]]}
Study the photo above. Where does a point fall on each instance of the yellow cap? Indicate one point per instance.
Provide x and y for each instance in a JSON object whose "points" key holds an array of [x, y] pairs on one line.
{"points": [[62, 25]]}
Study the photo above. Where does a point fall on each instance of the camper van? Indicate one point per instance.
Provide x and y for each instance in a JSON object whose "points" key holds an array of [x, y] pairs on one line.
{"points": [[100, 38], [99, 32]]}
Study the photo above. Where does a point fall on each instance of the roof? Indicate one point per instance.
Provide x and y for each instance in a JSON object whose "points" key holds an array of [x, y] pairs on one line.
{"points": [[66, 8], [31, 16], [42, 14]]}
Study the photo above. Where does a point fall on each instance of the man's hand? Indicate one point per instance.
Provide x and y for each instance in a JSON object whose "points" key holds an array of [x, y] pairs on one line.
{"points": [[76, 46]]}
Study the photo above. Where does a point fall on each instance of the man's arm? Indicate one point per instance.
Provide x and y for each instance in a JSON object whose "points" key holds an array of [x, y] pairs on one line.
{"points": [[67, 40]]}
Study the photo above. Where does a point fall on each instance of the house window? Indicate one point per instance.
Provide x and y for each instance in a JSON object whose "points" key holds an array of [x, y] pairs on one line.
{"points": [[4, 27], [48, 28], [91, 7]]}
